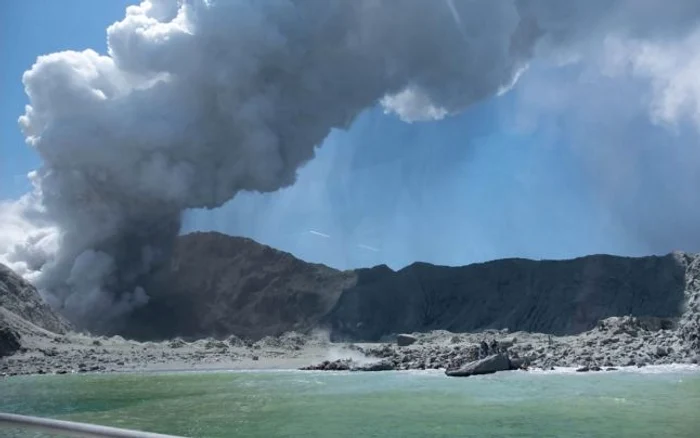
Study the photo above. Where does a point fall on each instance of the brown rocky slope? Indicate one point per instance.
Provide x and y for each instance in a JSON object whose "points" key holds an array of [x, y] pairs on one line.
{"points": [[219, 285]]}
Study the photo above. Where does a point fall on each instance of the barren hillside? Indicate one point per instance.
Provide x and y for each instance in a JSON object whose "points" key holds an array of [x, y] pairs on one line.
{"points": [[21, 298], [558, 297], [218, 285]]}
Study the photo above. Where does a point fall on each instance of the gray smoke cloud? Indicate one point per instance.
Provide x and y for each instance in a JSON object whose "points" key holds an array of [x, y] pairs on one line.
{"points": [[198, 100]]}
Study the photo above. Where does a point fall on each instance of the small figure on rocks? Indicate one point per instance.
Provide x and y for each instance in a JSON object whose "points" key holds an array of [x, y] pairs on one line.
{"points": [[483, 349]]}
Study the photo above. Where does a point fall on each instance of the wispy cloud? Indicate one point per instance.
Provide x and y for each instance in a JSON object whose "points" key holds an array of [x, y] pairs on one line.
{"points": [[320, 234], [367, 247]]}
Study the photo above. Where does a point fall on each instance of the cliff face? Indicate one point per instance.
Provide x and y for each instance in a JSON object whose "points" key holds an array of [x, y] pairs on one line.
{"points": [[558, 297], [218, 285], [689, 324], [23, 300]]}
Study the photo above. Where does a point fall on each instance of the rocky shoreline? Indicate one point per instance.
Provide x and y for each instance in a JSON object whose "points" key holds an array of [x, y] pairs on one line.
{"points": [[33, 340], [615, 342], [43, 352]]}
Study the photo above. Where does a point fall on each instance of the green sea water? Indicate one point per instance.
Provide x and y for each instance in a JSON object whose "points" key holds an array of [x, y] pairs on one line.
{"points": [[386, 404]]}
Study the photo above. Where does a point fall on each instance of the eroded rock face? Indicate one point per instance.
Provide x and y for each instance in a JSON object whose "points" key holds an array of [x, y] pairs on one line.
{"points": [[558, 297], [218, 285], [689, 324], [21, 298]]}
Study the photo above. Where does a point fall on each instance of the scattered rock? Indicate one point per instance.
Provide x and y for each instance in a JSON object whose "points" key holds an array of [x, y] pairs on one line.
{"points": [[235, 341], [404, 340], [382, 365], [335, 365], [213, 343], [177, 343], [268, 342], [518, 363], [506, 343], [52, 352], [293, 340]]}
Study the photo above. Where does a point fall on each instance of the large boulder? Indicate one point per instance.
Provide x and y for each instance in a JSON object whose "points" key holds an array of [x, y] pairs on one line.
{"points": [[382, 365], [328, 365], [9, 341], [487, 365], [404, 340]]}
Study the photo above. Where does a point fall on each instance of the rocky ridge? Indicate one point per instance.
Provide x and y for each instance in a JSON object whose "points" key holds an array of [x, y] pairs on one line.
{"points": [[618, 341], [219, 285], [562, 297], [250, 299], [21, 298]]}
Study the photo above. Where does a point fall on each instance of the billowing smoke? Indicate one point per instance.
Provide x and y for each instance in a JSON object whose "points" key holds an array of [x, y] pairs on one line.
{"points": [[198, 100]]}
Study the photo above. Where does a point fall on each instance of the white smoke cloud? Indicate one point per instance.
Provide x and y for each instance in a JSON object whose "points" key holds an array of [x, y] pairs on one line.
{"points": [[199, 100], [27, 238], [413, 106], [672, 67]]}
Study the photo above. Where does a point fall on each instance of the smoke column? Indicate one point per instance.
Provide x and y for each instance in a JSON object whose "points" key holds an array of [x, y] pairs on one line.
{"points": [[198, 100]]}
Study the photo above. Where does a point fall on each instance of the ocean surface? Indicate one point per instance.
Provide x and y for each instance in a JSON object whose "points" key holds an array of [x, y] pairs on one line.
{"points": [[658, 402]]}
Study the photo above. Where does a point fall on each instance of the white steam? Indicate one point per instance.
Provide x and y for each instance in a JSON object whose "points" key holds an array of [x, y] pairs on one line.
{"points": [[200, 99]]}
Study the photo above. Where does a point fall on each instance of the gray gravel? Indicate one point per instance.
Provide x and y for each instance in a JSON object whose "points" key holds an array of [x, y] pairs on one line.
{"points": [[615, 342]]}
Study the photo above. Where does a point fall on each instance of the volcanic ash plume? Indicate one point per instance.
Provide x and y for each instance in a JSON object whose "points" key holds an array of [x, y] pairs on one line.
{"points": [[198, 100]]}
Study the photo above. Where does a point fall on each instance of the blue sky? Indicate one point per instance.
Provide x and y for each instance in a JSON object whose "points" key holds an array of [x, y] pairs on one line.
{"points": [[29, 29], [473, 187]]}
